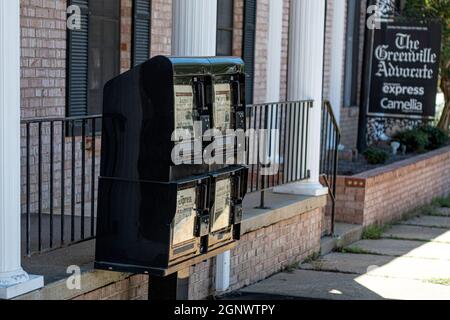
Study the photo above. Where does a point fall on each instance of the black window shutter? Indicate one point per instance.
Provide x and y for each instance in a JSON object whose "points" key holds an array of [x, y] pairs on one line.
{"points": [[352, 52], [248, 48], [225, 12], [77, 69], [141, 31]]}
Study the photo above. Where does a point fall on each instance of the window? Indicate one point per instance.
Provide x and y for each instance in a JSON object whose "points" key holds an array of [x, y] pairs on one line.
{"points": [[93, 55], [352, 53], [77, 64], [141, 31], [225, 27], [248, 48]]}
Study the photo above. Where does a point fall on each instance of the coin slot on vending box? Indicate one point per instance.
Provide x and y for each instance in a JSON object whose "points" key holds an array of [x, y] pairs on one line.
{"points": [[203, 212], [238, 107], [237, 200], [199, 89], [202, 108]]}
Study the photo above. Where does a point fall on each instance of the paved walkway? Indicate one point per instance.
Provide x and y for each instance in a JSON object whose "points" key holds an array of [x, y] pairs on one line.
{"points": [[411, 261]]}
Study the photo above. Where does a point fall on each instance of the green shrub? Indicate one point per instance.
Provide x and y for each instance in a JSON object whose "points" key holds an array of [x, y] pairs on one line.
{"points": [[442, 202], [422, 139], [376, 156], [437, 138], [415, 140]]}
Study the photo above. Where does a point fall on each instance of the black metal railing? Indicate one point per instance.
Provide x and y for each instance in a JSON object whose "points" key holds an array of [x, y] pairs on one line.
{"points": [[330, 141], [278, 155], [60, 166]]}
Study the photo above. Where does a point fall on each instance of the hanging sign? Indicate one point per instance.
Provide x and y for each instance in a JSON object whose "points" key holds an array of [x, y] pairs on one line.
{"points": [[404, 70]]}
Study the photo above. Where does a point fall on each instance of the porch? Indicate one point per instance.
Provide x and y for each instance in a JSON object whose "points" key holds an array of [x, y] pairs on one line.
{"points": [[54, 239], [49, 167]]}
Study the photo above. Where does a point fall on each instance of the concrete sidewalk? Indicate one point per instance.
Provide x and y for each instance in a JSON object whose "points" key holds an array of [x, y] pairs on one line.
{"points": [[410, 261]]}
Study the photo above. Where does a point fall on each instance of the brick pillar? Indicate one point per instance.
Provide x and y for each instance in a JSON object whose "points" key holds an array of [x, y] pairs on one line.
{"points": [[274, 50], [14, 281]]}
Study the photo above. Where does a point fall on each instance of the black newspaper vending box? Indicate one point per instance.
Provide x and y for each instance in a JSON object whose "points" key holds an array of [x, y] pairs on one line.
{"points": [[156, 216]]}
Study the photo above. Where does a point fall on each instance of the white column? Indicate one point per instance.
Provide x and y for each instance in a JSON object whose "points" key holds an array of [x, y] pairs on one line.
{"points": [[305, 81], [14, 281], [337, 57], [274, 50], [194, 27]]}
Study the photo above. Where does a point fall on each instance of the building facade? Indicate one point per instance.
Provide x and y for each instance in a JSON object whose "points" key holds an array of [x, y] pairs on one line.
{"points": [[293, 49], [57, 63]]}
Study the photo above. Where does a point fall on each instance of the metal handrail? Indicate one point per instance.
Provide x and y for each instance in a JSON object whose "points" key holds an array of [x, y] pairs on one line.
{"points": [[60, 181], [59, 119], [330, 141], [61, 162], [291, 120]]}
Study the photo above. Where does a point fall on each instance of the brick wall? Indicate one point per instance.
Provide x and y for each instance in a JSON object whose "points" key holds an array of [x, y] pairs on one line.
{"points": [[43, 55], [43, 80], [327, 49], [126, 24], [43, 88], [261, 48], [385, 194], [238, 27], [349, 202], [132, 288], [285, 50], [326, 220], [349, 126], [161, 30], [326, 215], [262, 29], [43, 94], [262, 253], [259, 255], [43, 58]]}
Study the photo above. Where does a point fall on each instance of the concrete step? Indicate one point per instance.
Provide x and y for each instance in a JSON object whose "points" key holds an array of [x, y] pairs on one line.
{"points": [[339, 286], [407, 232], [444, 212], [428, 221], [406, 248], [345, 234], [383, 266]]}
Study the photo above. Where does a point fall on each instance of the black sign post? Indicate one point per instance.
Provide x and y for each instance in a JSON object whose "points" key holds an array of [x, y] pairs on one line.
{"points": [[403, 71]]}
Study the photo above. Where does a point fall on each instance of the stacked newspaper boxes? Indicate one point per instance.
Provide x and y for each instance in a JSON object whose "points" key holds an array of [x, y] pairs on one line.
{"points": [[162, 206]]}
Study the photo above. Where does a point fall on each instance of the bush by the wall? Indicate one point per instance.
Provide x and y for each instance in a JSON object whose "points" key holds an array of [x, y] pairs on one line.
{"points": [[415, 140], [376, 156], [422, 139], [437, 138]]}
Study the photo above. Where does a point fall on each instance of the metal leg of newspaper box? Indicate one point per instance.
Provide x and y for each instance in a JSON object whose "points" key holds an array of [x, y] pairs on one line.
{"points": [[173, 287]]}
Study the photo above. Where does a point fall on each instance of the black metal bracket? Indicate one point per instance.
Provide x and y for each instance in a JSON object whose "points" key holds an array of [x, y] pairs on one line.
{"points": [[170, 288]]}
